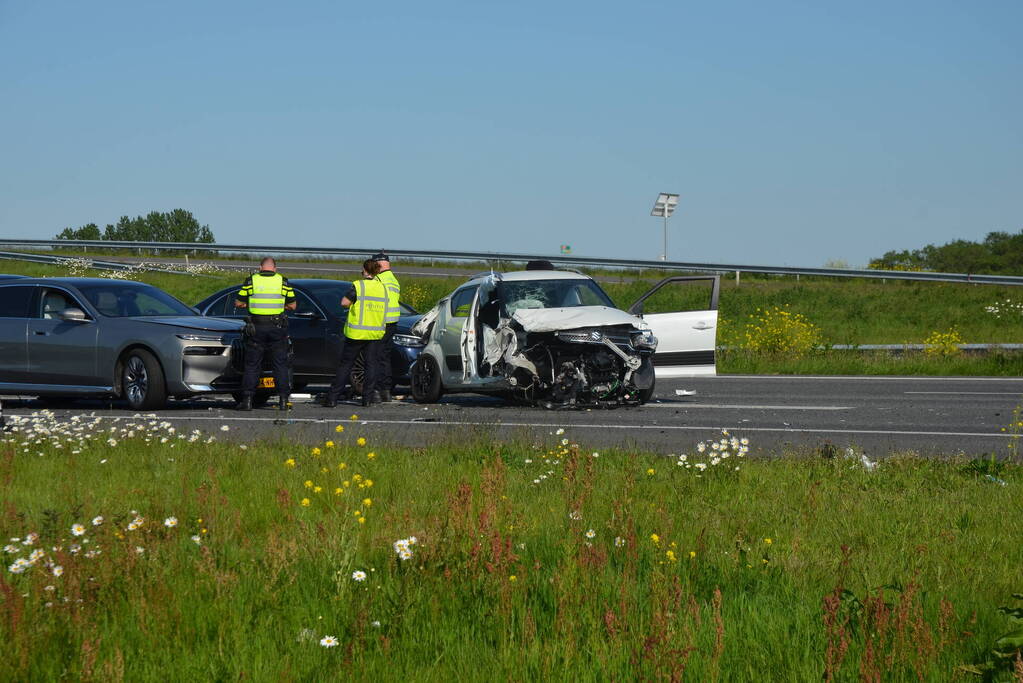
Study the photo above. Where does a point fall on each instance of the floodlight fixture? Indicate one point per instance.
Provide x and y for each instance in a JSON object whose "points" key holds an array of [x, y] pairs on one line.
{"points": [[664, 206]]}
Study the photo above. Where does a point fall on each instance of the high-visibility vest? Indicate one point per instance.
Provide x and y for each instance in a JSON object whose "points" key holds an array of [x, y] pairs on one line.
{"points": [[366, 315], [267, 295], [393, 293]]}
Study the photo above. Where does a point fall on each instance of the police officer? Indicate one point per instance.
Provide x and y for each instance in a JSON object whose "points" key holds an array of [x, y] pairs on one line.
{"points": [[385, 381], [266, 294], [366, 302]]}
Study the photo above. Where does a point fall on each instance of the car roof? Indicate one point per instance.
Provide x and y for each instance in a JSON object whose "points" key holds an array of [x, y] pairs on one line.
{"points": [[527, 275], [73, 281]]}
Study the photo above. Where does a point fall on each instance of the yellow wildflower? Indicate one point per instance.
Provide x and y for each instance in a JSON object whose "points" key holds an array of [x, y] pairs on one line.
{"points": [[369, 482], [692, 554], [650, 471], [342, 465], [308, 484], [324, 470], [371, 455], [655, 538], [329, 444], [356, 477], [367, 502], [357, 513], [338, 491], [354, 417], [670, 555], [513, 578], [290, 462], [316, 451], [305, 502], [346, 483], [768, 541], [317, 489], [361, 441], [362, 520], [339, 428]]}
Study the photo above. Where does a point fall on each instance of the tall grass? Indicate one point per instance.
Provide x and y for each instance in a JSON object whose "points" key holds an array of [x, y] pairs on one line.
{"points": [[530, 560]]}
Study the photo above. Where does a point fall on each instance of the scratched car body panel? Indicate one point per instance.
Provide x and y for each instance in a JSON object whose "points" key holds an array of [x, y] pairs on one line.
{"points": [[555, 339]]}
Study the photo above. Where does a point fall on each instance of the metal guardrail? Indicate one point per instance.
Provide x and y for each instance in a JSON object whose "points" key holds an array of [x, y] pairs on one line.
{"points": [[499, 257]]}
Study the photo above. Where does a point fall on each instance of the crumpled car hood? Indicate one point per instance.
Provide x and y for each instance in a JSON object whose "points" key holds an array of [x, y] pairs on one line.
{"points": [[197, 322], [554, 319]]}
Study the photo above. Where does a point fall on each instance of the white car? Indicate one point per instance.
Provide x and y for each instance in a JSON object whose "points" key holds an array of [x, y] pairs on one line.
{"points": [[554, 338]]}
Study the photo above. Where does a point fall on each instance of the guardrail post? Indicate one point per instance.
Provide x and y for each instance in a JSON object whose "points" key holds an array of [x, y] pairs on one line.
{"points": [[736, 278]]}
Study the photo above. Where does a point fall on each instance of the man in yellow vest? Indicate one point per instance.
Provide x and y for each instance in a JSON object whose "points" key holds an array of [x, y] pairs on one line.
{"points": [[385, 380], [366, 302], [267, 295]]}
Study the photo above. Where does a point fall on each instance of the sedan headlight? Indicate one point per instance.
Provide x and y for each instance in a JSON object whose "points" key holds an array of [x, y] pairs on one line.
{"points": [[201, 337], [408, 340], [644, 339]]}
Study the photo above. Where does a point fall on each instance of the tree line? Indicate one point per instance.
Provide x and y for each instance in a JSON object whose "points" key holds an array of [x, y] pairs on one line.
{"points": [[156, 226], [1000, 253]]}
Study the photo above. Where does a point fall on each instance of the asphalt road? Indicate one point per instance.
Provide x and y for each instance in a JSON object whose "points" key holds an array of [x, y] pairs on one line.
{"points": [[937, 416]]}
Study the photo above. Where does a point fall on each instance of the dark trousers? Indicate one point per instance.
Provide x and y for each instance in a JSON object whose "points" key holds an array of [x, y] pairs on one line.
{"points": [[275, 339], [349, 352], [385, 380]]}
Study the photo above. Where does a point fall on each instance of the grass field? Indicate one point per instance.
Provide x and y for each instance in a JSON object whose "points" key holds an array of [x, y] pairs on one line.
{"points": [[147, 554], [844, 312]]}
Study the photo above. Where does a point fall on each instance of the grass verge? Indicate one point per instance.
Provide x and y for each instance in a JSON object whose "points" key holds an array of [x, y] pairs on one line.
{"points": [[200, 558]]}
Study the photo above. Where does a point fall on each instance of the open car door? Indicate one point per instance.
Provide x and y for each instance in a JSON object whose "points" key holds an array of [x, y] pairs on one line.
{"points": [[683, 314]]}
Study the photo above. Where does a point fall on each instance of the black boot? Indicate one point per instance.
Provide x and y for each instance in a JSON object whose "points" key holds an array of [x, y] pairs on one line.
{"points": [[285, 402], [245, 403], [385, 396], [329, 401], [371, 399]]}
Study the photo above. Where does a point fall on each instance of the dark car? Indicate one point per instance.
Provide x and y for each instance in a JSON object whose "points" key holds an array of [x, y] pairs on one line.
{"points": [[66, 337], [315, 328]]}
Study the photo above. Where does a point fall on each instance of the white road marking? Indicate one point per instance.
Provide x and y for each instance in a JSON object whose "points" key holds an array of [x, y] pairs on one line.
{"points": [[966, 393], [864, 378], [742, 407], [428, 422]]}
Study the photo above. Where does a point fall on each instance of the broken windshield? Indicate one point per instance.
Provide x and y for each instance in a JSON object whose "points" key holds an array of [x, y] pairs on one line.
{"points": [[550, 294]]}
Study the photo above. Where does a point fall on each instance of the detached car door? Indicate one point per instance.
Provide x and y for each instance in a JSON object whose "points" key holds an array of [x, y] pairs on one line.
{"points": [[683, 314]]}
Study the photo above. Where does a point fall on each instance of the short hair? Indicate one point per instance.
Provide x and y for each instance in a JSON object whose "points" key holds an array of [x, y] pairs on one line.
{"points": [[540, 264], [268, 260], [371, 267]]}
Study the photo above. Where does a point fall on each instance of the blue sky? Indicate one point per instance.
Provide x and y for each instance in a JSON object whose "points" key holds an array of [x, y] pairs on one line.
{"points": [[796, 132]]}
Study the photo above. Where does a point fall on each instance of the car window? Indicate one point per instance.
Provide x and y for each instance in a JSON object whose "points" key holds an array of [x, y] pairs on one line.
{"points": [[126, 299], [14, 301], [224, 305], [551, 294], [304, 305], [461, 301], [53, 301]]}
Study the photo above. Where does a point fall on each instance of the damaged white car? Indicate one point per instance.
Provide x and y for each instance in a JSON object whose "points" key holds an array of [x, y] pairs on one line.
{"points": [[554, 338]]}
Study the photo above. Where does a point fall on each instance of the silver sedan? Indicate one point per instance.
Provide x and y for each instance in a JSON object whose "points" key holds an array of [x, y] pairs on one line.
{"points": [[78, 337]]}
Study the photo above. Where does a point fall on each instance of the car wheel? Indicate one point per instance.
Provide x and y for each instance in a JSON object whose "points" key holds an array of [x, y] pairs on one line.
{"points": [[142, 382], [358, 374], [426, 386]]}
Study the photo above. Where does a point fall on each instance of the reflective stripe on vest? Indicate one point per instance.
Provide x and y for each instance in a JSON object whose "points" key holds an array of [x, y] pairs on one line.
{"points": [[267, 296], [393, 294], [366, 315]]}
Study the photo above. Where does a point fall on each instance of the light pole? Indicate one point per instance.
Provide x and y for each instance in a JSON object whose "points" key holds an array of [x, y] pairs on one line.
{"points": [[665, 206]]}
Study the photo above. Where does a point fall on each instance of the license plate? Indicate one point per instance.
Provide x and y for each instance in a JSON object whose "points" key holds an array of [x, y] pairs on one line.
{"points": [[266, 382]]}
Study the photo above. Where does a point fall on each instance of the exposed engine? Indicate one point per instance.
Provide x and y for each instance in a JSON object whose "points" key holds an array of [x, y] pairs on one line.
{"points": [[584, 368]]}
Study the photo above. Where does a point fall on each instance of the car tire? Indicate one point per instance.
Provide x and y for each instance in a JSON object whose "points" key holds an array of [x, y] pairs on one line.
{"points": [[426, 386], [646, 394], [142, 382]]}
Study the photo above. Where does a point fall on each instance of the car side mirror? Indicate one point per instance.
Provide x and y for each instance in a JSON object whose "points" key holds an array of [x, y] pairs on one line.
{"points": [[76, 315]]}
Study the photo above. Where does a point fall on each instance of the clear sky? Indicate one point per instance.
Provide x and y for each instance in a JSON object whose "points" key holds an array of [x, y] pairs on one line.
{"points": [[797, 132]]}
